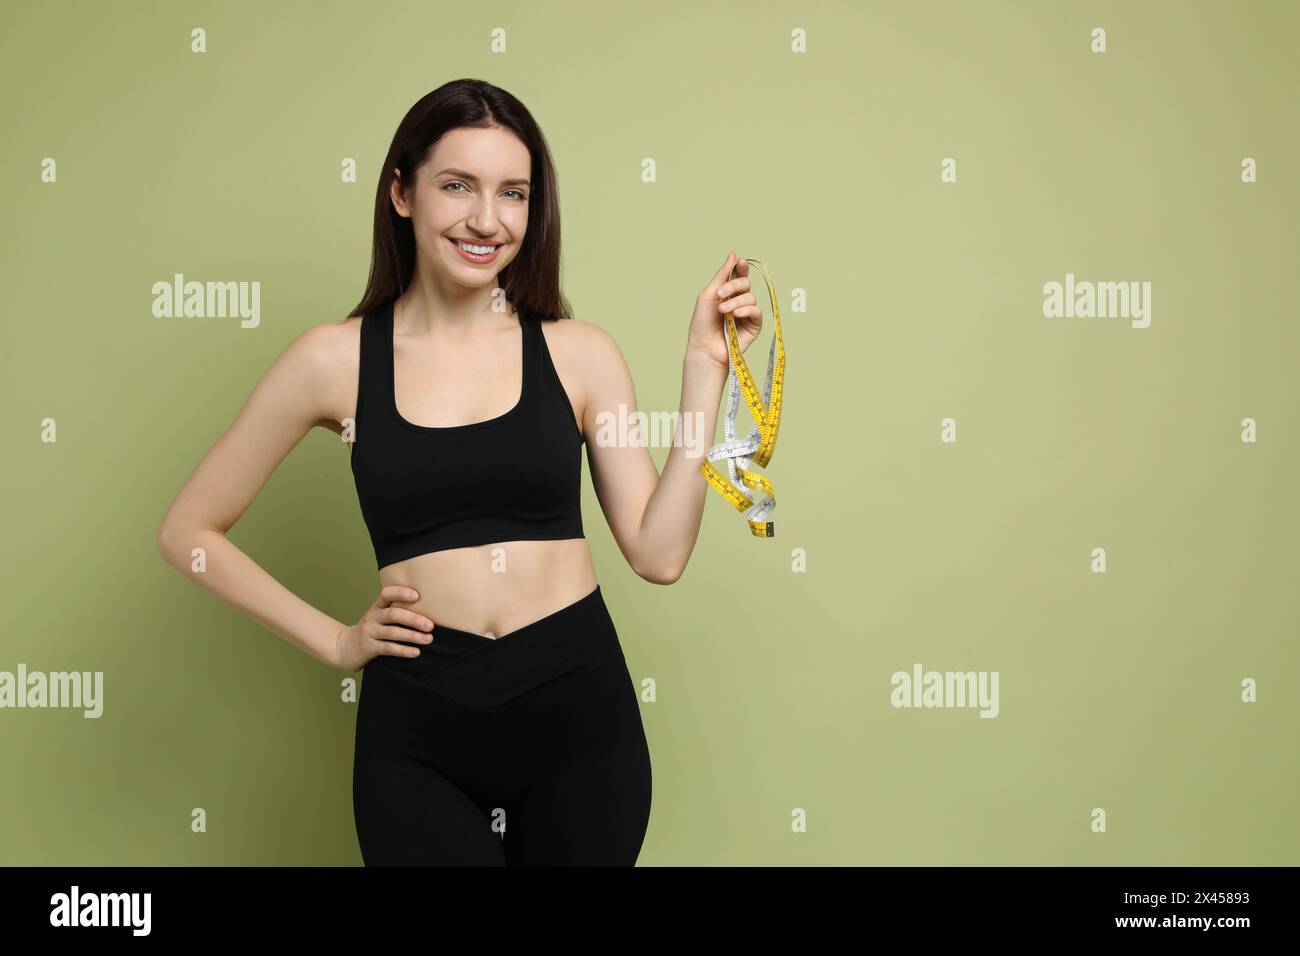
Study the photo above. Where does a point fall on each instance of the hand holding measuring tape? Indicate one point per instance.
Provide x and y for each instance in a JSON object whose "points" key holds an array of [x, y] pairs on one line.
{"points": [[725, 293], [740, 454]]}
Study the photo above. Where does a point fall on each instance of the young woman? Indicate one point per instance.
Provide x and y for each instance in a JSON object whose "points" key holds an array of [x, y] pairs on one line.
{"points": [[498, 722]]}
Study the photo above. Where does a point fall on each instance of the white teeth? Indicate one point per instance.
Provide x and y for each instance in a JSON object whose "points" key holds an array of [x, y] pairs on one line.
{"points": [[477, 250]]}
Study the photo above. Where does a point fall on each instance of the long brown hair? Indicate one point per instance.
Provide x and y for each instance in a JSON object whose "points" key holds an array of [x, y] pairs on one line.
{"points": [[532, 280]]}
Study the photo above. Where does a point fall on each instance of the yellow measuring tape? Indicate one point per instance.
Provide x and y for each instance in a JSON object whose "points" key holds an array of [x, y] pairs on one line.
{"points": [[741, 454]]}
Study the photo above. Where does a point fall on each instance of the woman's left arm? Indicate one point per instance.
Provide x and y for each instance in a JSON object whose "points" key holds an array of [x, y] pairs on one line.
{"points": [[655, 518]]}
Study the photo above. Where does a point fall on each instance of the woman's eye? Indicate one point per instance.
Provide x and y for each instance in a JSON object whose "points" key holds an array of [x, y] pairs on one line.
{"points": [[517, 192]]}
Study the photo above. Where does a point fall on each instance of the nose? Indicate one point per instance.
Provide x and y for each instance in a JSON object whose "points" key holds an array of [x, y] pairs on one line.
{"points": [[483, 220]]}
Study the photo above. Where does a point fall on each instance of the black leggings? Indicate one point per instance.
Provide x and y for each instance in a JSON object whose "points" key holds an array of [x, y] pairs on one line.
{"points": [[527, 749]]}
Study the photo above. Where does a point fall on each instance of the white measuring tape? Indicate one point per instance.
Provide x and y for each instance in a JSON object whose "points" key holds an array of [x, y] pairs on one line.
{"points": [[741, 454]]}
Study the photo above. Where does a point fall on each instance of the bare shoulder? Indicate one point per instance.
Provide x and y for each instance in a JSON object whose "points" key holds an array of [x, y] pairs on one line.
{"points": [[334, 341], [328, 350], [578, 344], [331, 351]]}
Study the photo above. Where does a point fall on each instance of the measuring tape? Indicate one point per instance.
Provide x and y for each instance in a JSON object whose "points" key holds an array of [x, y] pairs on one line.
{"points": [[741, 454]]}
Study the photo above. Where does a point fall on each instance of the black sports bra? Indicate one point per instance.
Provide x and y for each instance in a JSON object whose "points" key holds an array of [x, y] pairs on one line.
{"points": [[516, 477]]}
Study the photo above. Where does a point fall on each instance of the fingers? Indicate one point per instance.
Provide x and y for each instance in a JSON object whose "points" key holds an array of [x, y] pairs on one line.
{"points": [[395, 640], [738, 304], [401, 615], [392, 631], [395, 632], [739, 284], [389, 649], [400, 624], [721, 274], [710, 290], [396, 592]]}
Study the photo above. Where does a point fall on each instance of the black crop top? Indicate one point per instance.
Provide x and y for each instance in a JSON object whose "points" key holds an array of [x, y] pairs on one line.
{"points": [[515, 477]]}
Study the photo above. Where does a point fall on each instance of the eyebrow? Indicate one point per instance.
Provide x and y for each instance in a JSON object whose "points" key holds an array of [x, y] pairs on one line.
{"points": [[473, 178]]}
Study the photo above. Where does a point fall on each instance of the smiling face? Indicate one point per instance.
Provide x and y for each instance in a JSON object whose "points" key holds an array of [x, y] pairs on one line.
{"points": [[474, 187]]}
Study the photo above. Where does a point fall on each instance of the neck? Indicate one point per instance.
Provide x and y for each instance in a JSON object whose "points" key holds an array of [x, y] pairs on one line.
{"points": [[424, 307]]}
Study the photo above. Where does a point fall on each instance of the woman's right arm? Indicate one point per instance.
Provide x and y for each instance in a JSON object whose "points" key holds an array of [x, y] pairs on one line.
{"points": [[300, 390]]}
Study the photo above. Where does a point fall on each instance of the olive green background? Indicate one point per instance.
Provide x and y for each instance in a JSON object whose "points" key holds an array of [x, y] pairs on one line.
{"points": [[924, 302]]}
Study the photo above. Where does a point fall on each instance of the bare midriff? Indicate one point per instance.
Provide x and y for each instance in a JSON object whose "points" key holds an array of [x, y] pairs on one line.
{"points": [[493, 589]]}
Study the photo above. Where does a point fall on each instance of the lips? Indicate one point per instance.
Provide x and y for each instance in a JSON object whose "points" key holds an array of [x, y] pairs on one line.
{"points": [[473, 256]]}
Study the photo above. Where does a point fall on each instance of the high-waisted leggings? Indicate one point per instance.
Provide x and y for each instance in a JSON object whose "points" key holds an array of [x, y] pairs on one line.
{"points": [[526, 749]]}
